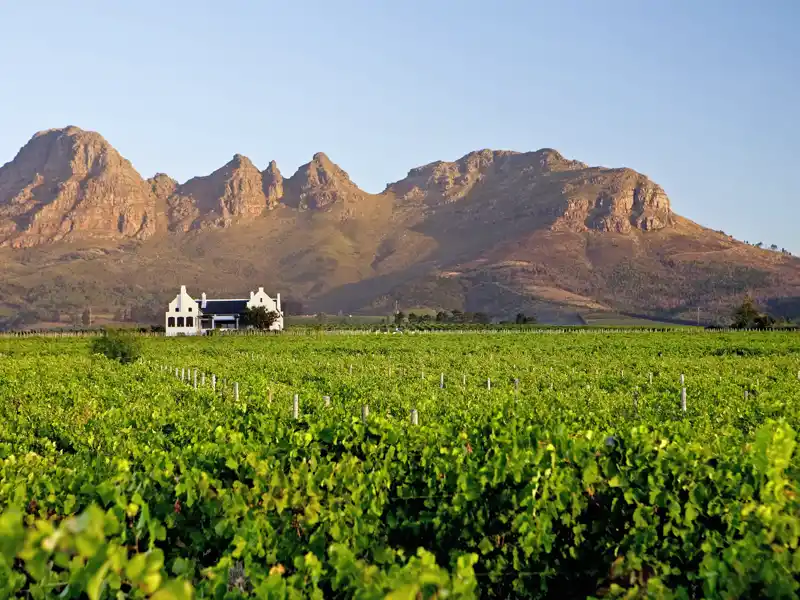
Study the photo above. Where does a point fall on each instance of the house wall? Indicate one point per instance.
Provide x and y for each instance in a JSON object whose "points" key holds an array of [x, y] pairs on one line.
{"points": [[180, 310], [261, 298]]}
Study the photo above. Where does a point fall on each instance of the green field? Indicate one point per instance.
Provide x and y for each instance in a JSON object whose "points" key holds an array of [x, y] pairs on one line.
{"points": [[550, 465]]}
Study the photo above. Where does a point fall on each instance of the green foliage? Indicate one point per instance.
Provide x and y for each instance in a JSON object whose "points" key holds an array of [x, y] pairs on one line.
{"points": [[584, 480], [259, 317], [747, 316], [117, 345]]}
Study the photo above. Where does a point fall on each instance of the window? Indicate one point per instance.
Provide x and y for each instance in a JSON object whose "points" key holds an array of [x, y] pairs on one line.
{"points": [[180, 321], [176, 309], [190, 309], [190, 321], [171, 322]]}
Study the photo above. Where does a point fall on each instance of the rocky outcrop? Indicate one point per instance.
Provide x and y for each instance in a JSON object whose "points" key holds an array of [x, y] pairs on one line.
{"points": [[567, 194], [618, 200], [235, 191], [319, 184], [69, 184], [272, 181]]}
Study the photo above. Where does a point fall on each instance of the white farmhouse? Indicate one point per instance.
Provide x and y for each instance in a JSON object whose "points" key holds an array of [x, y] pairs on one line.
{"points": [[189, 316]]}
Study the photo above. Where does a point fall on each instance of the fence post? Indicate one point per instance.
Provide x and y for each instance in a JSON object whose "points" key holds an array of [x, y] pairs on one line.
{"points": [[327, 401], [213, 382], [683, 399], [364, 413], [236, 391], [296, 407], [414, 417]]}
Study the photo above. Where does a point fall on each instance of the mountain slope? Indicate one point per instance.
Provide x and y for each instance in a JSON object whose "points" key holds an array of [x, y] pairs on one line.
{"points": [[495, 230]]}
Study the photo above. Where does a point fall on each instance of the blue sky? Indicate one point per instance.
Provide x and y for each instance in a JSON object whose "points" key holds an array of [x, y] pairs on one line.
{"points": [[701, 95]]}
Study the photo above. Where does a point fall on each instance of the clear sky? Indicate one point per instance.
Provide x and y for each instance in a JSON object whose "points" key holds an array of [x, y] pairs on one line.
{"points": [[701, 95]]}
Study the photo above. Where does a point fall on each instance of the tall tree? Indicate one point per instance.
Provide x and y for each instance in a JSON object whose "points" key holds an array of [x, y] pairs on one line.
{"points": [[259, 317]]}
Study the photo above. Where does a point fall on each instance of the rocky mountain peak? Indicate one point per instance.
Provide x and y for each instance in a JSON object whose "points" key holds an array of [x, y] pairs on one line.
{"points": [[68, 184], [320, 183], [272, 182]]}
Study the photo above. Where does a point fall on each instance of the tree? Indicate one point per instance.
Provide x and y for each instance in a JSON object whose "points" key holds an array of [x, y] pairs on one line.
{"points": [[747, 316], [399, 317], [442, 316], [117, 345], [523, 319], [482, 317], [86, 317], [773, 247], [259, 317]]}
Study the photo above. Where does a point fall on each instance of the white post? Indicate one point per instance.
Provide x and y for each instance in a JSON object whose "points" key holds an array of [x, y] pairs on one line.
{"points": [[651, 378], [203, 379], [441, 381], [683, 399], [516, 385], [682, 380], [364, 413], [488, 384], [414, 417], [351, 369], [195, 379], [296, 407], [213, 382], [327, 400], [464, 380], [236, 391]]}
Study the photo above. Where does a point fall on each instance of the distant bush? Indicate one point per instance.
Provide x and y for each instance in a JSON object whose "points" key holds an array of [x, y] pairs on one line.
{"points": [[118, 345]]}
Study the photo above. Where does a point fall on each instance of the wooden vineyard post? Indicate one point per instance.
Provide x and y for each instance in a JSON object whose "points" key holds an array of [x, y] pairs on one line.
{"points": [[194, 380], [236, 391], [441, 381], [364, 413], [213, 382], [746, 395], [296, 407], [327, 401], [683, 399], [203, 379], [464, 381], [651, 378], [414, 417], [351, 368], [269, 398], [488, 383]]}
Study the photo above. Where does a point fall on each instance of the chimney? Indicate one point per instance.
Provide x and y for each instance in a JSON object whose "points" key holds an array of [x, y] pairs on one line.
{"points": [[183, 290], [261, 290], [252, 294], [203, 300], [278, 302]]}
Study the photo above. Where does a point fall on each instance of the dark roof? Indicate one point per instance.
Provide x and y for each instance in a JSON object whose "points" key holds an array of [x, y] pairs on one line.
{"points": [[222, 307]]}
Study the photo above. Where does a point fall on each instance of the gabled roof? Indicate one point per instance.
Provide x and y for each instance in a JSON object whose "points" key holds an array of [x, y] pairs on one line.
{"points": [[222, 307]]}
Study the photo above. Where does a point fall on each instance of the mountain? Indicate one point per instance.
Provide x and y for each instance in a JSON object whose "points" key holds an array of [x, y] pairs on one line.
{"points": [[498, 231]]}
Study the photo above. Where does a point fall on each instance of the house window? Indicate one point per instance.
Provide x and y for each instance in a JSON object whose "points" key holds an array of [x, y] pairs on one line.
{"points": [[190, 309], [177, 309], [180, 321], [171, 322], [190, 321]]}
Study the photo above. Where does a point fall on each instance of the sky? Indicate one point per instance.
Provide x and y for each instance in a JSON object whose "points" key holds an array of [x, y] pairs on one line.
{"points": [[703, 96]]}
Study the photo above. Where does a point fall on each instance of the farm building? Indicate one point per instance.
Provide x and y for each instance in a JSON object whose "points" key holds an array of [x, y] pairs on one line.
{"points": [[190, 316]]}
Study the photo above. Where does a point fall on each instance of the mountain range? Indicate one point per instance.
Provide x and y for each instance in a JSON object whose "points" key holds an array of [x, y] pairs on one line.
{"points": [[496, 231]]}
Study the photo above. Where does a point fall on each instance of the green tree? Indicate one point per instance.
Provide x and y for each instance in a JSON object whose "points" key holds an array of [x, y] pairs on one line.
{"points": [[399, 317], [117, 345], [747, 316], [259, 317]]}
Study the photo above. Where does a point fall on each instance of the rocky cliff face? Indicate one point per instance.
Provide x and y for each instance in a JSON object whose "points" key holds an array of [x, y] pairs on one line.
{"points": [[69, 184], [319, 184], [570, 194]]}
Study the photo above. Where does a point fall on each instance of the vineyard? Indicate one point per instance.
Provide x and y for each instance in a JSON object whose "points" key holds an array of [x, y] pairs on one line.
{"points": [[521, 465]]}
